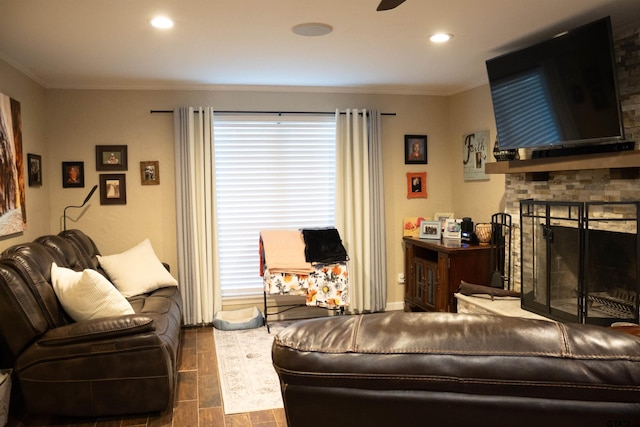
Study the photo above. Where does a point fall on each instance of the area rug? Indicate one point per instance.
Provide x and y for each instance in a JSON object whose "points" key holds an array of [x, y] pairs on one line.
{"points": [[247, 378]]}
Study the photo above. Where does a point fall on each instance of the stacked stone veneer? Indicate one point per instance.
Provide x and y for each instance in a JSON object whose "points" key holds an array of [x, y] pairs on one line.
{"points": [[585, 185]]}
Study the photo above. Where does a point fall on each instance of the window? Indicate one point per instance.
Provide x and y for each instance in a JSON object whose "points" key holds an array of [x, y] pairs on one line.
{"points": [[272, 172]]}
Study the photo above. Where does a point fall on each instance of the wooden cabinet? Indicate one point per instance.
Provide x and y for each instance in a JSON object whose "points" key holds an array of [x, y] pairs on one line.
{"points": [[434, 269]]}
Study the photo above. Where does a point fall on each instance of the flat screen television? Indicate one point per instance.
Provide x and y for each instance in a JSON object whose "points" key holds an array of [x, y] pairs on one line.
{"points": [[560, 92]]}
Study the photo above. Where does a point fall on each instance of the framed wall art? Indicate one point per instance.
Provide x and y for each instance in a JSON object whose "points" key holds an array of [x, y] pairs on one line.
{"points": [[416, 185], [111, 158], [72, 174], [150, 173], [34, 162], [430, 230], [415, 149], [113, 189]]}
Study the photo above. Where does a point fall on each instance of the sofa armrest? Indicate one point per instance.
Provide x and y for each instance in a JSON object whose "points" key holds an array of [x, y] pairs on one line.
{"points": [[98, 329]]}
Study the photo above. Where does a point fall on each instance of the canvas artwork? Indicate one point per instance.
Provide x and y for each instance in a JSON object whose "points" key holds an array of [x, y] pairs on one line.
{"points": [[474, 155], [13, 215]]}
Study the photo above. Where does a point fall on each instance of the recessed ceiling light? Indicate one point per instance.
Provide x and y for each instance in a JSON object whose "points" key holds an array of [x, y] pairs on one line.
{"points": [[312, 29], [162, 22], [440, 37]]}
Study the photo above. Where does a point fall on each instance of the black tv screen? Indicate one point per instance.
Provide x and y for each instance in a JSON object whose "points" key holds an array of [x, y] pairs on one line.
{"points": [[562, 91]]}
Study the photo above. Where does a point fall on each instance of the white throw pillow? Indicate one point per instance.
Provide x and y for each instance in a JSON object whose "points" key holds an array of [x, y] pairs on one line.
{"points": [[87, 294], [137, 270]]}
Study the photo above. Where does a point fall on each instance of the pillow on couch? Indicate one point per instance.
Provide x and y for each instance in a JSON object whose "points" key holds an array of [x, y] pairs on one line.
{"points": [[137, 271], [87, 294]]}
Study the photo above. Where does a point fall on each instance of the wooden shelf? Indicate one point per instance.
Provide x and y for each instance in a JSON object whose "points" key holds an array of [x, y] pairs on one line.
{"points": [[625, 163]]}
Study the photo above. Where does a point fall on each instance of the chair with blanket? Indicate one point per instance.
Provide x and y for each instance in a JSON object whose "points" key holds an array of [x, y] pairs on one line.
{"points": [[308, 262]]}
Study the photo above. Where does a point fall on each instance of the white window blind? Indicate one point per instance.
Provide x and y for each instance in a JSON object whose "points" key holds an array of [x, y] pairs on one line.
{"points": [[272, 172]]}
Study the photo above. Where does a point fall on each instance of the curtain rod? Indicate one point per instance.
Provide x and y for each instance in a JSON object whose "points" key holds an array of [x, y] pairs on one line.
{"points": [[270, 112]]}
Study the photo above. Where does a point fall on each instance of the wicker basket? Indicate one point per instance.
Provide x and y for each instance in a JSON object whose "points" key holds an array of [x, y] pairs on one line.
{"points": [[483, 231]]}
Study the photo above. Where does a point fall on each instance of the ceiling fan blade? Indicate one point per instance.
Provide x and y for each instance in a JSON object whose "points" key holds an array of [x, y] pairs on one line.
{"points": [[389, 4]]}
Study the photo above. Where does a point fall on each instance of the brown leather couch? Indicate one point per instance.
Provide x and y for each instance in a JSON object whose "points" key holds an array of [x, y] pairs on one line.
{"points": [[102, 367], [449, 369]]}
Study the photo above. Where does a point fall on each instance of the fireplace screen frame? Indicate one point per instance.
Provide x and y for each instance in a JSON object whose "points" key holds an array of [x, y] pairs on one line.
{"points": [[563, 269]]}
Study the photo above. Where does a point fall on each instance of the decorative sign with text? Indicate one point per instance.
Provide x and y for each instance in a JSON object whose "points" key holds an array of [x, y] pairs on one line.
{"points": [[474, 155]]}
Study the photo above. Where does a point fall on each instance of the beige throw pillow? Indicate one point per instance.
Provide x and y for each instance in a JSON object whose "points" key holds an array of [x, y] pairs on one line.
{"points": [[137, 271], [87, 294]]}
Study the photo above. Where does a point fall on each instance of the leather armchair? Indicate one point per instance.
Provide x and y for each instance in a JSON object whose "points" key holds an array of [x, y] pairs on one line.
{"points": [[450, 369], [102, 367]]}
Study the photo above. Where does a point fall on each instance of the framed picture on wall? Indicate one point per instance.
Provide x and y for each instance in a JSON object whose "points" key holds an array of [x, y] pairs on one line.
{"points": [[111, 157], [150, 173], [416, 185], [415, 149], [113, 189], [34, 162], [72, 174]]}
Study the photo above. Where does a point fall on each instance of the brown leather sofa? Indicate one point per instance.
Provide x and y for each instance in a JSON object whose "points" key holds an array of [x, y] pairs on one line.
{"points": [[101, 367], [449, 369]]}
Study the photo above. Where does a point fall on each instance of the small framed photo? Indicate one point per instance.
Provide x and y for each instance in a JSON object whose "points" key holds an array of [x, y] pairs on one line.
{"points": [[453, 229], [442, 217], [113, 189], [430, 230], [150, 173], [35, 170], [111, 157], [72, 174], [416, 185], [415, 149]]}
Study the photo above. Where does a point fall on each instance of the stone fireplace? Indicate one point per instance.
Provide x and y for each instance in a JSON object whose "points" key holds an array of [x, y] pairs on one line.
{"points": [[580, 260], [575, 186], [606, 178]]}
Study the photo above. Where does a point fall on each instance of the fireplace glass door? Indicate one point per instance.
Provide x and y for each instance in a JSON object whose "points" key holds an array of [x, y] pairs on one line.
{"points": [[612, 274], [579, 261], [551, 261]]}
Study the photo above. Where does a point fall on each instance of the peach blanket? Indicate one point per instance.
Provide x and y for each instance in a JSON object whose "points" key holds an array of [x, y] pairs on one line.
{"points": [[284, 251]]}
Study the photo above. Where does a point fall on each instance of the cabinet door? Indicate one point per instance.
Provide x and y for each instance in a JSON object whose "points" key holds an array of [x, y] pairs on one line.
{"points": [[410, 291], [426, 278], [443, 299]]}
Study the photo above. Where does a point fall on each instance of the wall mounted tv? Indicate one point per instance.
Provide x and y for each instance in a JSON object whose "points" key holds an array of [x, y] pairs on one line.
{"points": [[561, 92]]}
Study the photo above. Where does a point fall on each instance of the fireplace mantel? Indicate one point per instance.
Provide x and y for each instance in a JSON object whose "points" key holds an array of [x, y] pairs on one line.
{"points": [[625, 163]]}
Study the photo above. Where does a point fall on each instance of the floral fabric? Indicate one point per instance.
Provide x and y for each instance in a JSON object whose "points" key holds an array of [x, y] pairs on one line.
{"points": [[285, 283], [327, 286]]}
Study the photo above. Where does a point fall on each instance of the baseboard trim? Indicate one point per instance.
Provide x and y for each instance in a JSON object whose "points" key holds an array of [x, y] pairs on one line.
{"points": [[395, 306]]}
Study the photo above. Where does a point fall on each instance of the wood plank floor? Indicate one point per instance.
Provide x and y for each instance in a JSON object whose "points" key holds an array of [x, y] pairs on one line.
{"points": [[198, 401]]}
